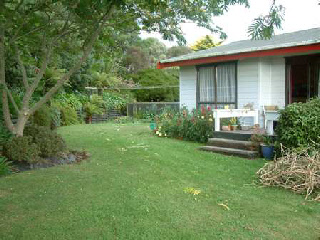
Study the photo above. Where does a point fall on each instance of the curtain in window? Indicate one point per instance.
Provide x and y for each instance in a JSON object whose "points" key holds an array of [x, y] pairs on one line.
{"points": [[226, 83], [206, 84], [220, 79]]}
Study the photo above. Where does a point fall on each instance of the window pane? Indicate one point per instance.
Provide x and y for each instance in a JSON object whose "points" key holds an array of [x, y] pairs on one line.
{"points": [[226, 82], [206, 82]]}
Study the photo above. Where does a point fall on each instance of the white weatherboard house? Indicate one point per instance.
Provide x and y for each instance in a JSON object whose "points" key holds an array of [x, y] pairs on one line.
{"points": [[274, 72]]}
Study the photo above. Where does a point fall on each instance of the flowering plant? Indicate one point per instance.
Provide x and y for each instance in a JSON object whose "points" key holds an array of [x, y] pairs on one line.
{"points": [[197, 125]]}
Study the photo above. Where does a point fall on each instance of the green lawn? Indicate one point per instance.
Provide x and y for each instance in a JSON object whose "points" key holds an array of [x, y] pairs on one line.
{"points": [[133, 188]]}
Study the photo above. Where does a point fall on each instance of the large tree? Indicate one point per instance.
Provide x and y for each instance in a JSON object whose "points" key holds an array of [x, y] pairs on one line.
{"points": [[145, 53], [36, 32], [176, 51]]}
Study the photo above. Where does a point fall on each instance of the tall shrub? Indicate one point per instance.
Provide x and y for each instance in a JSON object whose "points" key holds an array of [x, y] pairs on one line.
{"points": [[299, 124]]}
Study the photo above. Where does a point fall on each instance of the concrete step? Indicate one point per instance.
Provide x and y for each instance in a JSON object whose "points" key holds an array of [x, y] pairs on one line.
{"points": [[230, 143], [234, 135], [231, 151]]}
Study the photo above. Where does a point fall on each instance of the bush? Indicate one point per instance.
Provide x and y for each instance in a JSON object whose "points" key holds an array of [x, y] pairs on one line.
{"points": [[68, 116], [43, 116], [115, 101], [55, 116], [299, 124], [5, 134], [70, 99], [5, 166], [22, 149], [196, 126], [298, 171], [48, 141]]}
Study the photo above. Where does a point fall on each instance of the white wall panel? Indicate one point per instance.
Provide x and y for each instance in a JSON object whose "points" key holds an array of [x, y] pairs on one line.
{"points": [[188, 86]]}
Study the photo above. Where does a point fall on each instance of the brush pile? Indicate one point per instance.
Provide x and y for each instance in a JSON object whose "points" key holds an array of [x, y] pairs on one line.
{"points": [[297, 171]]}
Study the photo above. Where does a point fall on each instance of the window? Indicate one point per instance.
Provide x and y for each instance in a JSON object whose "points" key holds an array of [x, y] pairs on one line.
{"points": [[217, 86]]}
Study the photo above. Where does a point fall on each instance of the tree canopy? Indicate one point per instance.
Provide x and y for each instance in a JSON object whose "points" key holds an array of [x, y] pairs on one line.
{"points": [[176, 51], [34, 34], [204, 43]]}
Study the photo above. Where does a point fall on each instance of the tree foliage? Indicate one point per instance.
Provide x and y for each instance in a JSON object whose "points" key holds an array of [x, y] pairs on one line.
{"points": [[165, 80], [176, 51], [204, 43], [263, 27], [145, 53]]}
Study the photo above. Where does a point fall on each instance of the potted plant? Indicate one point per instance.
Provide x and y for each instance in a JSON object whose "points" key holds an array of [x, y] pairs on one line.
{"points": [[267, 148], [225, 126], [90, 109], [233, 124]]}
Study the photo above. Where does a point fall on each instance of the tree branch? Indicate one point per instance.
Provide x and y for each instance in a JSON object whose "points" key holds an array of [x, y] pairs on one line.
{"points": [[35, 83], [22, 68], [87, 50], [11, 97]]}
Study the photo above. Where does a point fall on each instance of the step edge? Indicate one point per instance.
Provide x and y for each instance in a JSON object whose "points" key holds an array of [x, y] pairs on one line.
{"points": [[229, 140], [232, 149]]}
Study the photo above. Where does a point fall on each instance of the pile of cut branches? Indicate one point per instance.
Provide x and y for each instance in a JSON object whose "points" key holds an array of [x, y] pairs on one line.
{"points": [[298, 171]]}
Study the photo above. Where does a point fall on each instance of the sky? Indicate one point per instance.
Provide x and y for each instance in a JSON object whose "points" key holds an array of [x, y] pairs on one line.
{"points": [[299, 15]]}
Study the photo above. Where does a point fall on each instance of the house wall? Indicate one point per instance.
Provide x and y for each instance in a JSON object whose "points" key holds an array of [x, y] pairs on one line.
{"points": [[278, 82], [188, 86], [272, 81], [261, 82], [248, 84]]}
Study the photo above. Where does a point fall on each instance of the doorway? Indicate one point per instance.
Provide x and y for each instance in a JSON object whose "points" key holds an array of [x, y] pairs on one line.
{"points": [[302, 81]]}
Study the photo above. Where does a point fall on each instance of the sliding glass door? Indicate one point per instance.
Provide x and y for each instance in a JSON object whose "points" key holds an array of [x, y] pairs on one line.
{"points": [[302, 78], [217, 86]]}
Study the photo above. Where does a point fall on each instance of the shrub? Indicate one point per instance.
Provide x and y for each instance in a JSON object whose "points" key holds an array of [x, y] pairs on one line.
{"points": [[196, 126], [55, 116], [68, 116], [22, 149], [299, 124], [5, 134], [48, 141], [70, 99], [43, 116], [298, 171], [5, 166], [115, 101], [65, 107]]}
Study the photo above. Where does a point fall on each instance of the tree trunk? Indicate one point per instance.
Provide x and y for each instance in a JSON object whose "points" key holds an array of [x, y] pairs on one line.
{"points": [[19, 126], [5, 104]]}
